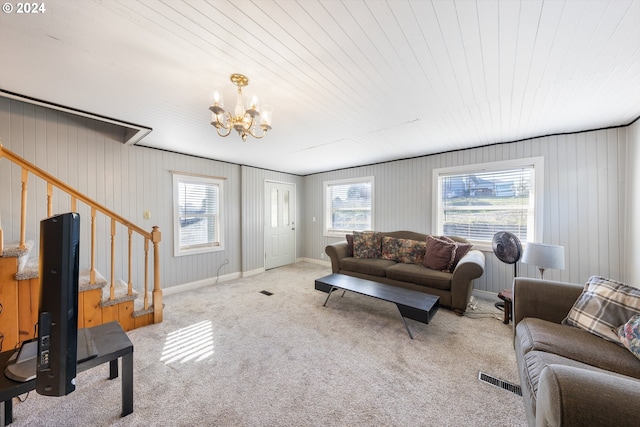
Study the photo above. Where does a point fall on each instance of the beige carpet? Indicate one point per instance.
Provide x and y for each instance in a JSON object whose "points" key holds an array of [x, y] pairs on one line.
{"points": [[228, 355]]}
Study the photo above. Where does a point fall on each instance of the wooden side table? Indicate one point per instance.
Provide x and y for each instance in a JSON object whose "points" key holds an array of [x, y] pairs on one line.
{"points": [[507, 297]]}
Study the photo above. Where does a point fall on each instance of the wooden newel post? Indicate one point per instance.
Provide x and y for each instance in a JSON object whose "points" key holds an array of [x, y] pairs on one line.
{"points": [[156, 237]]}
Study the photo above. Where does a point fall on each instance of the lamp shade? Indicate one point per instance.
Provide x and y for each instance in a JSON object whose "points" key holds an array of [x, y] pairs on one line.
{"points": [[544, 256]]}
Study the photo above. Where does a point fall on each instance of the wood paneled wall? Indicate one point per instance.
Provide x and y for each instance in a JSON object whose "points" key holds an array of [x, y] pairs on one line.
{"points": [[90, 156], [632, 207], [584, 201], [590, 195]]}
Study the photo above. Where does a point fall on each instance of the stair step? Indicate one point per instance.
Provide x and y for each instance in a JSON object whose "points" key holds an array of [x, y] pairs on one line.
{"points": [[139, 310], [29, 268], [12, 250], [31, 271], [84, 279], [120, 294]]}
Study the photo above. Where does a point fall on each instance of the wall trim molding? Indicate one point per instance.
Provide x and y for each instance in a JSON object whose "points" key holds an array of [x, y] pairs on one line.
{"points": [[314, 261], [253, 272], [192, 286]]}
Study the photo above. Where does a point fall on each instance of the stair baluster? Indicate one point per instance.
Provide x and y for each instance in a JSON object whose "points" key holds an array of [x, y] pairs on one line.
{"points": [[155, 236]]}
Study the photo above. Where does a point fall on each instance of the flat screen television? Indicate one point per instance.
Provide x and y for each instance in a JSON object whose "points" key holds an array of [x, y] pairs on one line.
{"points": [[58, 310]]}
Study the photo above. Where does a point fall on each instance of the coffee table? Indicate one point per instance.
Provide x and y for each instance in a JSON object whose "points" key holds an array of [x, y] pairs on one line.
{"points": [[411, 304]]}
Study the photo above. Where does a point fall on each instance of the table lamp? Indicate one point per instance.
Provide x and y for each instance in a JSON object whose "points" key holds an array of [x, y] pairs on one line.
{"points": [[543, 256]]}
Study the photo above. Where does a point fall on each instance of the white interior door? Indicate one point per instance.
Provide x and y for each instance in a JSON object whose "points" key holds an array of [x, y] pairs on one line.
{"points": [[280, 224]]}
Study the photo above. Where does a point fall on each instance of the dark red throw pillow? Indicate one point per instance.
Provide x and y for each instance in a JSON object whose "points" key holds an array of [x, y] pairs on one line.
{"points": [[350, 245], [461, 250], [440, 254]]}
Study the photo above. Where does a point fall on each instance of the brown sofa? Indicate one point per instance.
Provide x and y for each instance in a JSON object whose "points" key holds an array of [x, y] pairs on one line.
{"points": [[569, 376], [454, 289]]}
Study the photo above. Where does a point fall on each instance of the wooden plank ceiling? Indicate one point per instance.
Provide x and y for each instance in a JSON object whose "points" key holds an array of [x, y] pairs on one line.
{"points": [[351, 82]]}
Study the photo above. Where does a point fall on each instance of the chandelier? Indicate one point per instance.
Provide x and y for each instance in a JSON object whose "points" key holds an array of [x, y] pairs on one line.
{"points": [[245, 122]]}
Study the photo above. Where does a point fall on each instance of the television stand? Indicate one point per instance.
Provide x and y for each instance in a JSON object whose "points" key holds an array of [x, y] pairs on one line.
{"points": [[111, 344]]}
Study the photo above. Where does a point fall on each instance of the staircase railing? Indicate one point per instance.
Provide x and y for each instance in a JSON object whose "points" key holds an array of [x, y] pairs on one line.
{"points": [[154, 236]]}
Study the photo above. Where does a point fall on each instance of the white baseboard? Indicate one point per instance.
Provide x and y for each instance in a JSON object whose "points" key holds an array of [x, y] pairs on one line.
{"points": [[253, 272], [191, 286], [485, 294], [315, 261]]}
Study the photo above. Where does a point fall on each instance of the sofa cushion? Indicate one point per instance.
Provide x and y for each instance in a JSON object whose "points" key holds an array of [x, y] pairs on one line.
{"points": [[403, 250], [532, 363], [372, 266], [603, 307], [367, 244], [534, 334], [629, 335], [440, 254], [415, 273]]}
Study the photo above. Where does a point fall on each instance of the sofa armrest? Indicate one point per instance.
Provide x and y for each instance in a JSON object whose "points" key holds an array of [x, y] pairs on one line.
{"points": [[470, 266], [336, 251], [544, 299], [570, 396]]}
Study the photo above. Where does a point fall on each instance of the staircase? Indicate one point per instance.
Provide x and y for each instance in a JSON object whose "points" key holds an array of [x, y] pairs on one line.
{"points": [[100, 300]]}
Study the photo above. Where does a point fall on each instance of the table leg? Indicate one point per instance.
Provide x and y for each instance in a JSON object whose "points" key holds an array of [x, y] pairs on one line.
{"points": [[113, 369], [507, 311], [405, 322], [333, 288], [127, 384]]}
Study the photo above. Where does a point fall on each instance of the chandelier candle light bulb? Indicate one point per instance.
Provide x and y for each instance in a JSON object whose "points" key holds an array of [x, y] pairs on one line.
{"points": [[243, 121]]}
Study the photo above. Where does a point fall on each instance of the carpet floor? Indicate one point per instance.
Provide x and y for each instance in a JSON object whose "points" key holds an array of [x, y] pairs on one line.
{"points": [[229, 355]]}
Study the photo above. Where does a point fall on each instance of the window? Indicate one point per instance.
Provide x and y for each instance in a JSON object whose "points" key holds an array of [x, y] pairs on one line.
{"points": [[197, 214], [477, 201], [348, 206]]}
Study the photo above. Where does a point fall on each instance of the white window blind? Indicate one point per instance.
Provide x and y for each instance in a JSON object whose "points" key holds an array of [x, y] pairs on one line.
{"points": [[348, 206], [477, 203], [197, 202]]}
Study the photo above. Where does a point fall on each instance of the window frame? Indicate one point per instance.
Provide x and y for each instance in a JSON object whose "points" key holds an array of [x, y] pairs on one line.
{"points": [[326, 185], [180, 177], [536, 223]]}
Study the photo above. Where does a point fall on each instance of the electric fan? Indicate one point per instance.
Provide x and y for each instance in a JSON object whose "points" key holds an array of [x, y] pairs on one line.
{"points": [[508, 249]]}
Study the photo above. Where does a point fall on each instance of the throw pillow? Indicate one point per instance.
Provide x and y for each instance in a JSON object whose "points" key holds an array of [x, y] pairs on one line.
{"points": [[461, 250], [403, 250], [629, 335], [439, 254], [350, 245], [390, 248], [603, 306], [367, 244]]}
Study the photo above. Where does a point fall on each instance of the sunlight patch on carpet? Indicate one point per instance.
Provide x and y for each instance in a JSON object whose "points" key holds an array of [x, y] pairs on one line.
{"points": [[193, 343]]}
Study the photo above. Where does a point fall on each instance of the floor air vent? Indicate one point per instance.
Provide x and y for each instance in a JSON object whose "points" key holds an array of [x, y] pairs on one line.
{"points": [[267, 293], [496, 382]]}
